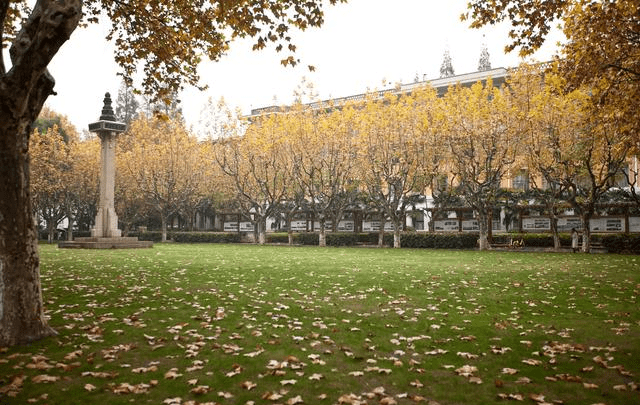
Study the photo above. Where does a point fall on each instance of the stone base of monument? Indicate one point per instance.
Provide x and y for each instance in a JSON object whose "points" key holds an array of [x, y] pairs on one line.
{"points": [[106, 243]]}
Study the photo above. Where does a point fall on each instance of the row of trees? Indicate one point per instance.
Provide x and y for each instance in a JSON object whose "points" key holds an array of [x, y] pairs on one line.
{"points": [[383, 154], [394, 149]]}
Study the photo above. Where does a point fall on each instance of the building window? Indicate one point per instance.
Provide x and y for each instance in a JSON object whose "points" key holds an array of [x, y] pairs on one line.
{"points": [[521, 181]]}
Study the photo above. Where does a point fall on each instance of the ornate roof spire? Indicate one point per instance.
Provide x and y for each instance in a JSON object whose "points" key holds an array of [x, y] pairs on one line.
{"points": [[446, 69], [484, 63]]}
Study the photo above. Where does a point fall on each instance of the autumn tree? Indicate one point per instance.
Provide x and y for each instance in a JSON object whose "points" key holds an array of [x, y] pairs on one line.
{"points": [[166, 39], [127, 105], [600, 154], [323, 150], [165, 163], [601, 52], [482, 139], [129, 201], [51, 156], [258, 170], [551, 121], [85, 156], [396, 140]]}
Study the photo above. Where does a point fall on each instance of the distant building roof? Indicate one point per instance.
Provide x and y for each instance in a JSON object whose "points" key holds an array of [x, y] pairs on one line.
{"points": [[498, 75]]}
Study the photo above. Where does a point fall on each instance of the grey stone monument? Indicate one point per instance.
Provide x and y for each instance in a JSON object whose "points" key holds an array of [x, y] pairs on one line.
{"points": [[106, 234]]}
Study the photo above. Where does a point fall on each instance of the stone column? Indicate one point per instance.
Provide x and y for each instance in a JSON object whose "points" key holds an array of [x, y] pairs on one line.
{"points": [[107, 128]]}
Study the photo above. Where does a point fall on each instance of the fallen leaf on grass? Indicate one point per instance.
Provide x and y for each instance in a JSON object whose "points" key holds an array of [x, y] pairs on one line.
{"points": [[248, 385], [99, 374], [475, 380], [126, 388], [90, 387], [295, 400], [44, 378], [466, 370], [513, 397], [200, 390], [288, 382], [226, 395], [536, 397], [172, 374]]}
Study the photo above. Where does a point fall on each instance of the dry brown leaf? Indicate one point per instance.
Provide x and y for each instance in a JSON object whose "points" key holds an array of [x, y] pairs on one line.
{"points": [[200, 390], [44, 378], [172, 374], [295, 400], [90, 387], [249, 385], [536, 397], [475, 380]]}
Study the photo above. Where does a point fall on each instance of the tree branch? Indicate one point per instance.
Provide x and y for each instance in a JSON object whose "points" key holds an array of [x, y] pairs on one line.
{"points": [[48, 27]]}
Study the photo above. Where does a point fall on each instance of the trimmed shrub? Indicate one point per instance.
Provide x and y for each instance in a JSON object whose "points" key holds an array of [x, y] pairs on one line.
{"points": [[154, 236], [341, 239], [306, 238], [439, 240], [207, 237], [279, 237], [619, 243]]}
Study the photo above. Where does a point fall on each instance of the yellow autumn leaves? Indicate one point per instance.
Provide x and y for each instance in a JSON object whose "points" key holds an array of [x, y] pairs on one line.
{"points": [[383, 153]]}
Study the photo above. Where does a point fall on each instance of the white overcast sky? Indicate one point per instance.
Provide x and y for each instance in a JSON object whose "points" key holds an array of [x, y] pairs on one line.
{"points": [[361, 44]]}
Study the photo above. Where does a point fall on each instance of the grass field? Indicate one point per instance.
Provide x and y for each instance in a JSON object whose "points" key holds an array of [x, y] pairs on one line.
{"points": [[243, 324]]}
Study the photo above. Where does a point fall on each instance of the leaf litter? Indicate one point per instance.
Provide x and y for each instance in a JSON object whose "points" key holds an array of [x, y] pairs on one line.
{"points": [[198, 328]]}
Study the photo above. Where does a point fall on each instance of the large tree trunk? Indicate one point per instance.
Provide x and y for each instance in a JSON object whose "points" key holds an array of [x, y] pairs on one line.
{"points": [[23, 91], [21, 309]]}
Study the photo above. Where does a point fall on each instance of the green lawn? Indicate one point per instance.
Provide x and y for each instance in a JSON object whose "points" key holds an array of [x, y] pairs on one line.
{"points": [[236, 324]]}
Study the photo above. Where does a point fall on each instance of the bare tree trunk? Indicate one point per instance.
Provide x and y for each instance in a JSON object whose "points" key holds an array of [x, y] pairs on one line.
{"points": [[288, 220], [396, 237], [164, 227], [381, 232], [70, 227], [483, 240], [322, 237], [554, 230], [261, 227], [586, 232]]}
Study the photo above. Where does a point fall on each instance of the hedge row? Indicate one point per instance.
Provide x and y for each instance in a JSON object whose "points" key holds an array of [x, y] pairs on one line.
{"points": [[614, 243]]}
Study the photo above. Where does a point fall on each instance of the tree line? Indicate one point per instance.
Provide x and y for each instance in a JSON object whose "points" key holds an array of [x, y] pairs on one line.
{"points": [[383, 154]]}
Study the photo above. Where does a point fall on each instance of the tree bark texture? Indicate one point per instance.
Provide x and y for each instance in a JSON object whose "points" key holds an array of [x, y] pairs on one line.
{"points": [[23, 90]]}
